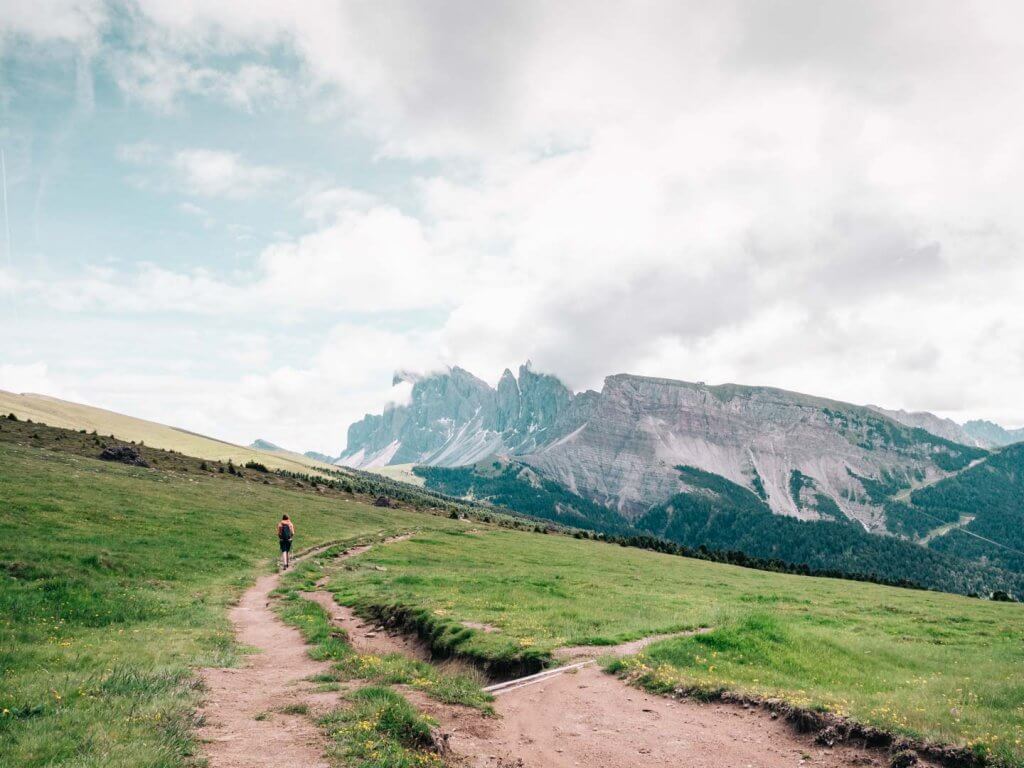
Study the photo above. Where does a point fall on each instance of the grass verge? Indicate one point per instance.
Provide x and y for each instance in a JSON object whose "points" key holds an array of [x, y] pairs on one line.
{"points": [[114, 584], [864, 681], [927, 665], [380, 729], [329, 643]]}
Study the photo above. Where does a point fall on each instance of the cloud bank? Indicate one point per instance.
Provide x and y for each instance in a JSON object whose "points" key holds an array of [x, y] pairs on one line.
{"points": [[818, 196]]}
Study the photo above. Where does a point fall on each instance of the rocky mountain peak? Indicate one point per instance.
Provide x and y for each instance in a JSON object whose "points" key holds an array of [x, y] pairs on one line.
{"points": [[804, 456], [456, 418]]}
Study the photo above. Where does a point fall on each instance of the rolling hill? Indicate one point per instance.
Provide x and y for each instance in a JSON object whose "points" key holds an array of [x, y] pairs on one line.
{"points": [[115, 582], [61, 413]]}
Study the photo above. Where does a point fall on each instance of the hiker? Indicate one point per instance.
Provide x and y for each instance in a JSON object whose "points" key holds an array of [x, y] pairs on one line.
{"points": [[285, 534]]}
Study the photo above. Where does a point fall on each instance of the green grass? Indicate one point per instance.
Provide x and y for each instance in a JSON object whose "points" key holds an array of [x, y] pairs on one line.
{"points": [[453, 684], [451, 687], [381, 730], [114, 582], [113, 586], [926, 664]]}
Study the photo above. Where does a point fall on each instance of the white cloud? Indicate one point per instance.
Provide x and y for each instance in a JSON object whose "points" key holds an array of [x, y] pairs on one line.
{"points": [[817, 196], [31, 377], [325, 205], [215, 173], [47, 21], [159, 79], [370, 261], [199, 171]]}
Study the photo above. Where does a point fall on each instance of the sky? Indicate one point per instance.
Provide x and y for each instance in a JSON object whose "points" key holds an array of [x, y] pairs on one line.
{"points": [[241, 217]]}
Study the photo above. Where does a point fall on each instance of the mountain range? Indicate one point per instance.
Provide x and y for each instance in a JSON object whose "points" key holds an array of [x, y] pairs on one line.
{"points": [[680, 459]]}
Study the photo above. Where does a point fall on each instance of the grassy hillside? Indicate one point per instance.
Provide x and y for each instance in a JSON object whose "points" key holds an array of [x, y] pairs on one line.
{"points": [[113, 587], [60, 413], [403, 473], [926, 664], [114, 582]]}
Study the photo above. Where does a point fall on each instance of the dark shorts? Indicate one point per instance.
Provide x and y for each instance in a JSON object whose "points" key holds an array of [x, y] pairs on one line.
{"points": [[286, 545]]}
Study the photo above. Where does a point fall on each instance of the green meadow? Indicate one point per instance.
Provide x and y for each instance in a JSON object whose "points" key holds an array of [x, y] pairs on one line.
{"points": [[113, 586], [114, 583], [925, 664]]}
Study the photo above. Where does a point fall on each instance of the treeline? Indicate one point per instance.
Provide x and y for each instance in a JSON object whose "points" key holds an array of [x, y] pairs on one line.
{"points": [[993, 493], [725, 516], [742, 559], [525, 491]]}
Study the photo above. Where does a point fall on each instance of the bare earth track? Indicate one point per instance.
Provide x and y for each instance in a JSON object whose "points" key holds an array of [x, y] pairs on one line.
{"points": [[582, 717], [270, 681]]}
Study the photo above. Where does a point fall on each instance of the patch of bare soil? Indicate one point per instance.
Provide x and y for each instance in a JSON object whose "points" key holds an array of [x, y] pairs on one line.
{"points": [[272, 680], [253, 715], [586, 718], [589, 718], [485, 628]]}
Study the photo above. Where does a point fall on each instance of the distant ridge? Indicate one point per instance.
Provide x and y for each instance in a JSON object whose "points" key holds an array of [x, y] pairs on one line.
{"points": [[260, 444], [62, 413], [323, 457], [993, 434], [807, 457]]}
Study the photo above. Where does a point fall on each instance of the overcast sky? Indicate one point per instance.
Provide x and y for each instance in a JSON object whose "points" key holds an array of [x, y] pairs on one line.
{"points": [[240, 219]]}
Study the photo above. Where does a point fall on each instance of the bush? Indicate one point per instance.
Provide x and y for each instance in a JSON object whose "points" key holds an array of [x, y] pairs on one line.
{"points": [[256, 466]]}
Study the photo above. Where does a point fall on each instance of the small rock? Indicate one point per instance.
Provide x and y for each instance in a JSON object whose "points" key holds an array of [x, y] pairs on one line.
{"points": [[827, 737], [124, 454], [905, 758]]}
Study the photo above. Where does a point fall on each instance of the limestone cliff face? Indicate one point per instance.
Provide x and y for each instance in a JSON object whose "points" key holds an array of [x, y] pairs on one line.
{"points": [[805, 456], [455, 418]]}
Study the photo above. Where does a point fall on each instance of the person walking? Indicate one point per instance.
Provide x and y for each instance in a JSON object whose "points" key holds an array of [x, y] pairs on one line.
{"points": [[285, 534]]}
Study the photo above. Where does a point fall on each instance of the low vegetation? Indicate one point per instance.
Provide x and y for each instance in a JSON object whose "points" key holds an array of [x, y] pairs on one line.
{"points": [[114, 581], [452, 685], [930, 665], [722, 517], [68, 415], [381, 730], [113, 586], [514, 486], [993, 494]]}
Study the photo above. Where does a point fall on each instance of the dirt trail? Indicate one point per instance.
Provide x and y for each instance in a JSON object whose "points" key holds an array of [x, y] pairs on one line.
{"points": [[270, 680], [582, 718], [589, 718], [586, 718]]}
